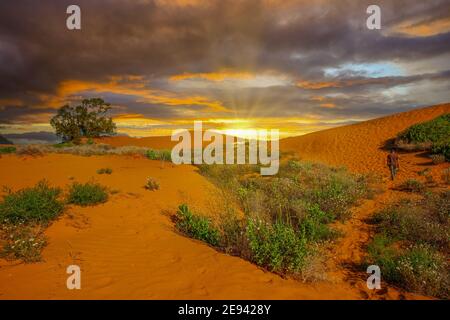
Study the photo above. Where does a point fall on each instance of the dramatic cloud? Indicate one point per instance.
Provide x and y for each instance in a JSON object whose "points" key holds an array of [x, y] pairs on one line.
{"points": [[296, 65]]}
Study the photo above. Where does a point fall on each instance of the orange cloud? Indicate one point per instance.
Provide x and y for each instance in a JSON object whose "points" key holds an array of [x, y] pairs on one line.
{"points": [[422, 28], [328, 105], [213, 76], [131, 86]]}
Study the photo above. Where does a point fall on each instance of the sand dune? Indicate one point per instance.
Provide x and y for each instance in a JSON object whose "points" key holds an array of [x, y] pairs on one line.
{"points": [[128, 247], [358, 146]]}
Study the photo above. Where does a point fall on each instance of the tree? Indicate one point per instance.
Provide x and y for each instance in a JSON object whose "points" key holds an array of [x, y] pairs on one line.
{"points": [[85, 120]]}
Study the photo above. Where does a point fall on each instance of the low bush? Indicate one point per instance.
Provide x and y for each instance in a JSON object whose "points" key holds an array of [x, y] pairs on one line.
{"points": [[412, 185], [87, 194], [7, 150], [163, 155], [33, 151], [411, 244], [36, 204], [438, 158], [196, 227], [431, 135], [22, 242], [104, 171], [152, 184], [277, 247]]}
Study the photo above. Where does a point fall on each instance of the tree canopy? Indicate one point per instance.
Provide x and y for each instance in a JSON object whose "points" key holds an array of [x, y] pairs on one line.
{"points": [[89, 119]]}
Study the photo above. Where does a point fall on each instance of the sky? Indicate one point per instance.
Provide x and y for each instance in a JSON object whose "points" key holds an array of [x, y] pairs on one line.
{"points": [[297, 66]]}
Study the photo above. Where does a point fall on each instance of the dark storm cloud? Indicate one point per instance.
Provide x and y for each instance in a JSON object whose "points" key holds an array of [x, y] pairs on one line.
{"points": [[157, 39]]}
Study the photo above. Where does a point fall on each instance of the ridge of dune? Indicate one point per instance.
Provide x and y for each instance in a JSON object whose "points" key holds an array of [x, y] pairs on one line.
{"points": [[359, 147]]}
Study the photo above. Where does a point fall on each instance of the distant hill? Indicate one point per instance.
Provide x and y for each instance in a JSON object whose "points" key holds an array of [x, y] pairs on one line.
{"points": [[32, 137], [3, 140], [359, 146]]}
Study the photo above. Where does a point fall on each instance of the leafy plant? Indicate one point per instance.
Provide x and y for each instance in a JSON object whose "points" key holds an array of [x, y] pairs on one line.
{"points": [[152, 184], [87, 194], [104, 171], [36, 204], [6, 150], [196, 227]]}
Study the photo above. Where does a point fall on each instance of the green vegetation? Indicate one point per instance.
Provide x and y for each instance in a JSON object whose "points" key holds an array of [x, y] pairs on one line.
{"points": [[22, 242], [152, 184], [104, 171], [36, 204], [433, 135], [196, 227], [163, 155], [24, 214], [63, 145], [6, 150], [87, 194], [411, 245], [285, 217], [412, 185], [71, 123]]}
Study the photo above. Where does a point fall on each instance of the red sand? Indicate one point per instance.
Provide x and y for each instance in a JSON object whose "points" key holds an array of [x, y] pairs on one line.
{"points": [[128, 248]]}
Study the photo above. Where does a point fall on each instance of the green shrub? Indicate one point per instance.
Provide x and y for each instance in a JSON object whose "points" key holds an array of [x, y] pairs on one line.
{"points": [[36, 204], [442, 148], [412, 185], [22, 242], [438, 158], [163, 155], [411, 245], [418, 268], [433, 135], [196, 227], [104, 171], [277, 247], [6, 150], [152, 184], [63, 145], [434, 131], [87, 194], [285, 215], [412, 223]]}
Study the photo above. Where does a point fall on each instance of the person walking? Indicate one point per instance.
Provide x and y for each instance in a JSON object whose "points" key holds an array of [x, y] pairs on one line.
{"points": [[393, 163]]}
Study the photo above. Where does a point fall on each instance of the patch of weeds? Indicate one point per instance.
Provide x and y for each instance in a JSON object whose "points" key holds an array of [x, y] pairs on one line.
{"points": [[63, 145], [32, 151], [152, 184], [438, 158], [411, 245], [87, 194], [22, 242], [163, 155], [104, 171], [446, 175], [277, 247], [412, 185], [196, 227], [7, 150], [36, 204]]}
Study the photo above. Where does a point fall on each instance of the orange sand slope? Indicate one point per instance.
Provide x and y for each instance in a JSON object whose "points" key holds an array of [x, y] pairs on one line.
{"points": [[358, 146], [128, 248]]}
